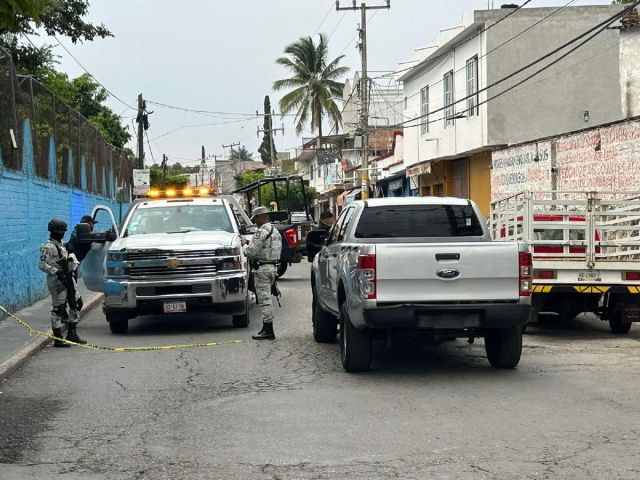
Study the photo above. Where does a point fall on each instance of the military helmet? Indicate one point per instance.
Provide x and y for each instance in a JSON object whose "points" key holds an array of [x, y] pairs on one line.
{"points": [[57, 225]]}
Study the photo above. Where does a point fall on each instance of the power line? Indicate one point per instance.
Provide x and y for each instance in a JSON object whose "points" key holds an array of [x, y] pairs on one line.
{"points": [[599, 27], [149, 144], [196, 126], [325, 17], [235, 114], [91, 75], [490, 51]]}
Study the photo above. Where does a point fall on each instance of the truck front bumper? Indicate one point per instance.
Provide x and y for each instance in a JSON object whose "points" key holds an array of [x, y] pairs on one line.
{"points": [[224, 293], [446, 316]]}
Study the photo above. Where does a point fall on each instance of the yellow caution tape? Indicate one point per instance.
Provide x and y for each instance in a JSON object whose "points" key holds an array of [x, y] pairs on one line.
{"points": [[33, 331]]}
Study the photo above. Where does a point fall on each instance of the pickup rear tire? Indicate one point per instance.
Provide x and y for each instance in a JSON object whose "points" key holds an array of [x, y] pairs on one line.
{"points": [[355, 345], [325, 325], [244, 319], [282, 269], [504, 347]]}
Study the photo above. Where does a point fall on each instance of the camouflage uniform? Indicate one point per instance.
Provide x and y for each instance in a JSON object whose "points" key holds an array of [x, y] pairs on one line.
{"points": [[265, 246], [49, 258]]}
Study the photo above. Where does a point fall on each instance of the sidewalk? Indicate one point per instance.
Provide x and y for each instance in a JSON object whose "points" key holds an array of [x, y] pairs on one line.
{"points": [[16, 346]]}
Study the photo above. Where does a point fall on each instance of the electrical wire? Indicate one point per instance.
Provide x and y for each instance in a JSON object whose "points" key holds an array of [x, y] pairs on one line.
{"points": [[599, 28], [325, 17], [196, 126], [91, 75], [150, 150], [569, 3]]}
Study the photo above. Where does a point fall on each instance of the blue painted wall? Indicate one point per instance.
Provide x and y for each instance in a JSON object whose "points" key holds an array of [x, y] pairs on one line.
{"points": [[27, 203]]}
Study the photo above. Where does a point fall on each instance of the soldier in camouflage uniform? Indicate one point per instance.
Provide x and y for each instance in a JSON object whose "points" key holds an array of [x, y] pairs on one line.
{"points": [[264, 253], [51, 252]]}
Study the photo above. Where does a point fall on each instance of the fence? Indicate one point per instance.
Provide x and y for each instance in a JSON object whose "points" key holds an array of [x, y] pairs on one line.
{"points": [[53, 163], [65, 144]]}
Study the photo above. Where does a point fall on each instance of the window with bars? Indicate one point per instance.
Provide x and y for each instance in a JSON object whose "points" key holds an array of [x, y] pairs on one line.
{"points": [[472, 87], [448, 99], [424, 110]]}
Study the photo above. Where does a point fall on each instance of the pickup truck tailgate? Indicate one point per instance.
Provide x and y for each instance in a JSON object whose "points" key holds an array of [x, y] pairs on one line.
{"points": [[409, 272]]}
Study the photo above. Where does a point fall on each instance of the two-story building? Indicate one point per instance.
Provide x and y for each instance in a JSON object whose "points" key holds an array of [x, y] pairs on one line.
{"points": [[455, 121]]}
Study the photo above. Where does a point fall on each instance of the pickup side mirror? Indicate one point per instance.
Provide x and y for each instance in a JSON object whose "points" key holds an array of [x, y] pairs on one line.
{"points": [[86, 236], [243, 230]]}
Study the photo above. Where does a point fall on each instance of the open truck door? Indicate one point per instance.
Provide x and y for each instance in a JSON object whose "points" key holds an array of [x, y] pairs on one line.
{"points": [[92, 267]]}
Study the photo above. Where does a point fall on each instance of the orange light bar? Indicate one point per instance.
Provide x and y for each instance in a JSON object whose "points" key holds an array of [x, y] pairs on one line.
{"points": [[154, 193], [170, 193], [187, 192], [204, 191]]}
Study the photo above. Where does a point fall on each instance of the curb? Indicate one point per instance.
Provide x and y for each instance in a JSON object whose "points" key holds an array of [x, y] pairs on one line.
{"points": [[18, 359]]}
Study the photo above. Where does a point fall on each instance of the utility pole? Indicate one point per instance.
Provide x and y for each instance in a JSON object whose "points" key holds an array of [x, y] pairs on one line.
{"points": [[271, 133], [231, 156], [364, 89], [140, 121], [165, 161]]}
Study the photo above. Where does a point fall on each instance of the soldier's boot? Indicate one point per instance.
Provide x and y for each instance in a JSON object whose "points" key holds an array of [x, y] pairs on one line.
{"points": [[72, 335], [57, 343], [266, 333]]}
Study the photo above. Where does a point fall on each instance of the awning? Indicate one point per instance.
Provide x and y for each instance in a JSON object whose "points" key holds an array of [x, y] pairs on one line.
{"points": [[340, 199], [420, 169], [352, 196]]}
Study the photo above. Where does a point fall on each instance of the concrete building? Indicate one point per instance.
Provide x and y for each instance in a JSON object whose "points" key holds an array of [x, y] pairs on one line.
{"points": [[447, 148]]}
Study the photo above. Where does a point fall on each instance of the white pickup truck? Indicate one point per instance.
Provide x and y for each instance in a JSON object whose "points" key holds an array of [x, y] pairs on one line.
{"points": [[170, 255], [420, 267]]}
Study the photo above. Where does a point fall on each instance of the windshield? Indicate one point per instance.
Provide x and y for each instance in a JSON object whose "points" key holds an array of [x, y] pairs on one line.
{"points": [[412, 221], [179, 219], [299, 218]]}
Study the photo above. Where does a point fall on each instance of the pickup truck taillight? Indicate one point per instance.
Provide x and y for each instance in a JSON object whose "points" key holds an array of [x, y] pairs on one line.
{"points": [[526, 267], [292, 237], [366, 274]]}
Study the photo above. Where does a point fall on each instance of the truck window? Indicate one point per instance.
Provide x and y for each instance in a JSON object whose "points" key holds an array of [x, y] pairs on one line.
{"points": [[179, 219], [414, 221]]}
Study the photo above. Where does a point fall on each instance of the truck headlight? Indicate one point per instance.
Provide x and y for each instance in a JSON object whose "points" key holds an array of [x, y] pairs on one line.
{"points": [[116, 271], [116, 257], [235, 265]]}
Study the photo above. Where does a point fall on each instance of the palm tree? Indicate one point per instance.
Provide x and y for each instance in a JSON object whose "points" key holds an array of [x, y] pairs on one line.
{"points": [[314, 81], [241, 155]]}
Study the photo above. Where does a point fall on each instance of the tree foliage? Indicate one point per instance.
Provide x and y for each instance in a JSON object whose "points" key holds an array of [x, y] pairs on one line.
{"points": [[314, 83], [241, 155], [265, 146], [173, 181]]}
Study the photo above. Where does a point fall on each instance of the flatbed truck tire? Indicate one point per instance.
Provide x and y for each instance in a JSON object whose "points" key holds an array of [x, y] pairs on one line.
{"points": [[325, 325]]}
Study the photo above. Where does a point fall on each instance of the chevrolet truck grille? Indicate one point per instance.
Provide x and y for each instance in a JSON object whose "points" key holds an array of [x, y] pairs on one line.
{"points": [[180, 254], [165, 271]]}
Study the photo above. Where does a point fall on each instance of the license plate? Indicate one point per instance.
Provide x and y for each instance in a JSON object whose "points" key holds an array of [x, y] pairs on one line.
{"points": [[175, 307], [589, 276]]}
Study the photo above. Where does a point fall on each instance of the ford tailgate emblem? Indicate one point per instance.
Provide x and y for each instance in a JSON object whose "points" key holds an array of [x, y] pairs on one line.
{"points": [[448, 273]]}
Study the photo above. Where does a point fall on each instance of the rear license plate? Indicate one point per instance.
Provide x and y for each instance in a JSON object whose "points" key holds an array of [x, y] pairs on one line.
{"points": [[175, 307], [590, 276]]}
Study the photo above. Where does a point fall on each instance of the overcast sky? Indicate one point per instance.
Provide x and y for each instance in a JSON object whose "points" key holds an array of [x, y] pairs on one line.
{"points": [[218, 55]]}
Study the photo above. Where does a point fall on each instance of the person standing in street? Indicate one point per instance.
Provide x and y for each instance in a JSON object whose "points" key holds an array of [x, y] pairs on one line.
{"points": [[53, 257], [264, 253]]}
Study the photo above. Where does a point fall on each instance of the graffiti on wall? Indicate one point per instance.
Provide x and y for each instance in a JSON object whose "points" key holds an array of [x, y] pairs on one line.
{"points": [[520, 168], [606, 159]]}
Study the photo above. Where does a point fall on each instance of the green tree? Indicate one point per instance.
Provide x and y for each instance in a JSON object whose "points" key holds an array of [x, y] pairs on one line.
{"points": [[173, 181], [241, 155], [622, 2], [265, 146], [55, 17], [314, 82]]}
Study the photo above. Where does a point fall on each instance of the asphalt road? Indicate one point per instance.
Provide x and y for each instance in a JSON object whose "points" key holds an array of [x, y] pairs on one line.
{"points": [[287, 410]]}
